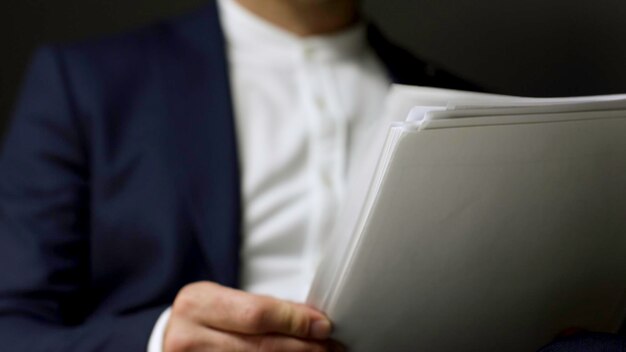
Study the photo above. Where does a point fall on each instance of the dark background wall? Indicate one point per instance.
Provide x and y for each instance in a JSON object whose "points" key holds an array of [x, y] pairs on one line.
{"points": [[530, 47]]}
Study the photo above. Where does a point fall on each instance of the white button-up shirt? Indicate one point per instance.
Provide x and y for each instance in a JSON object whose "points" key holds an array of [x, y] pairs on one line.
{"points": [[301, 105]]}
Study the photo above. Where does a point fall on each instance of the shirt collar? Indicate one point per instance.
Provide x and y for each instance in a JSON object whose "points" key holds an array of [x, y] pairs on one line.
{"points": [[249, 36]]}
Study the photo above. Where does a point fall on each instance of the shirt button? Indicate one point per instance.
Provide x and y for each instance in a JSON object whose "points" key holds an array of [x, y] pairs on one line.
{"points": [[325, 177], [321, 103], [308, 52]]}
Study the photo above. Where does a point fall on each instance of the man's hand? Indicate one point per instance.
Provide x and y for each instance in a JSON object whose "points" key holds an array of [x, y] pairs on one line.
{"points": [[209, 317]]}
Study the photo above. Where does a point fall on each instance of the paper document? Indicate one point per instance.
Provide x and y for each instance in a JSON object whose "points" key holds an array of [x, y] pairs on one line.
{"points": [[476, 222]]}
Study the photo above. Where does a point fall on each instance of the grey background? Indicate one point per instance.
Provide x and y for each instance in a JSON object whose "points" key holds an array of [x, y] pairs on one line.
{"points": [[531, 47]]}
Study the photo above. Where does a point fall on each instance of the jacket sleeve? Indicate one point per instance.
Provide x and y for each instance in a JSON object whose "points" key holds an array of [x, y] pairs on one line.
{"points": [[46, 300]]}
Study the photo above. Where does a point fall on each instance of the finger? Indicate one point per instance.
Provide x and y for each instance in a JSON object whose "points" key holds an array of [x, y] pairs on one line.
{"points": [[189, 338], [281, 343], [237, 311]]}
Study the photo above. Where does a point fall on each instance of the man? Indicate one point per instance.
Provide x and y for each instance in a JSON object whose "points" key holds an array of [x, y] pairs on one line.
{"points": [[121, 227], [121, 178]]}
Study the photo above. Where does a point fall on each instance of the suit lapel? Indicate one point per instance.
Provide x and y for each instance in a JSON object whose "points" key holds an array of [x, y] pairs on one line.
{"points": [[202, 130]]}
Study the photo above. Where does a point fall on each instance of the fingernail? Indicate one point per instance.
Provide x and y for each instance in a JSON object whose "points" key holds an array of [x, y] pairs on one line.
{"points": [[320, 329]]}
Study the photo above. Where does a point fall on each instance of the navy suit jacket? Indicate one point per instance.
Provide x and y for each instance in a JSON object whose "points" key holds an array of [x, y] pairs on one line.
{"points": [[119, 183]]}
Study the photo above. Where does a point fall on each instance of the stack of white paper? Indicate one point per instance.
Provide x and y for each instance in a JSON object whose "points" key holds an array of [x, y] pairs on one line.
{"points": [[481, 223]]}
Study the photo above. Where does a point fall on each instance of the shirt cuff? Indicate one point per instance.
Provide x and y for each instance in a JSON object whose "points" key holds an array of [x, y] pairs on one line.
{"points": [[155, 344]]}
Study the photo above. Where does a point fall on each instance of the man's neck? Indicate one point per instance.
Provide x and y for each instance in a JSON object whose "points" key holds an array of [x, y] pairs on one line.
{"points": [[305, 17]]}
